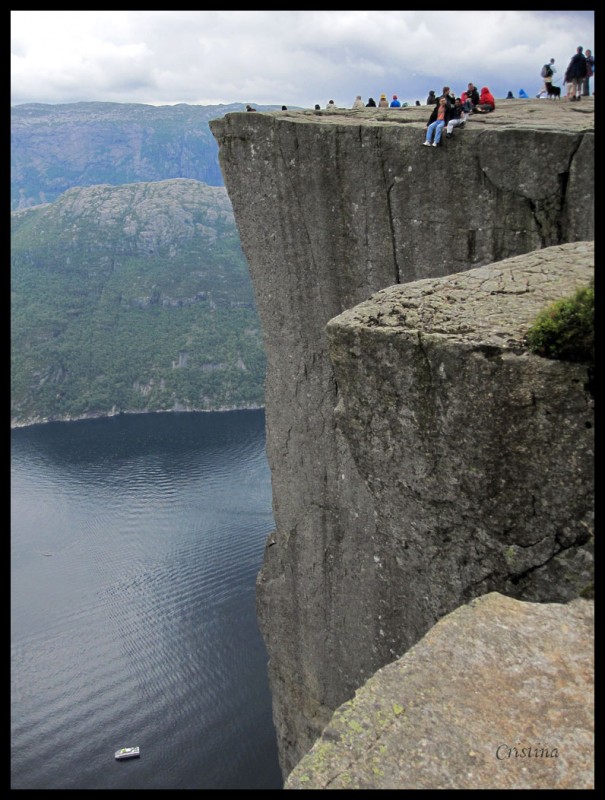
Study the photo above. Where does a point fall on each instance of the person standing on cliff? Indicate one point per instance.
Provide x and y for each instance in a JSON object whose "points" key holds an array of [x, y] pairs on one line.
{"points": [[358, 102], [395, 102], [576, 73], [383, 102], [589, 73], [371, 103], [440, 116], [547, 73]]}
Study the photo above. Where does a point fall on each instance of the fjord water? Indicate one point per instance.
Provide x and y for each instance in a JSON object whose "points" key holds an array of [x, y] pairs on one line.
{"points": [[135, 545]]}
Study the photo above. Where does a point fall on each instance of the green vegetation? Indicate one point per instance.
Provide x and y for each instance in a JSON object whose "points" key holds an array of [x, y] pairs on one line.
{"points": [[132, 298], [565, 330]]}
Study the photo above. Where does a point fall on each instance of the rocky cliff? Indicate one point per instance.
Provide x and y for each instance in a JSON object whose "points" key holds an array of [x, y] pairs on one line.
{"points": [[428, 720], [332, 207]]}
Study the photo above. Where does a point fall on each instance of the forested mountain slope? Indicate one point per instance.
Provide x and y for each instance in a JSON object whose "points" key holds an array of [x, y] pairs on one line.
{"points": [[131, 298]]}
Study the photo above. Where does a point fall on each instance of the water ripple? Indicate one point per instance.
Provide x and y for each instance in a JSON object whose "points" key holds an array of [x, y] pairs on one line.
{"points": [[135, 548]]}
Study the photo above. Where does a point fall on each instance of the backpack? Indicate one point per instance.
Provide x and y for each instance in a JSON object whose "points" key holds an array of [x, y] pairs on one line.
{"points": [[546, 71]]}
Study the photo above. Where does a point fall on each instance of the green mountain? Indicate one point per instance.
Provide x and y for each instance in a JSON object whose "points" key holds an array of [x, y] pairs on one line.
{"points": [[131, 298], [56, 147]]}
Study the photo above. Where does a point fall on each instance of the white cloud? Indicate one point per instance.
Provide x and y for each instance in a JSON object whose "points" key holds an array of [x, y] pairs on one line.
{"points": [[273, 57]]}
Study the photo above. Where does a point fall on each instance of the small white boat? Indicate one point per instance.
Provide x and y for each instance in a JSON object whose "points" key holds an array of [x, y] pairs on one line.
{"points": [[127, 752]]}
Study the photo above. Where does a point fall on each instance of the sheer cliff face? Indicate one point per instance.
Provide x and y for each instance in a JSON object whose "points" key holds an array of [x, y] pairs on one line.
{"points": [[331, 208]]}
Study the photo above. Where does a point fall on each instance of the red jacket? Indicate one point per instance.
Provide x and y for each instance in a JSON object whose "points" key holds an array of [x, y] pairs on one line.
{"points": [[487, 97]]}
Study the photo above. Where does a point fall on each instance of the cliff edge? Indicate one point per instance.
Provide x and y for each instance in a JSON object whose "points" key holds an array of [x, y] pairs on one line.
{"points": [[333, 207]]}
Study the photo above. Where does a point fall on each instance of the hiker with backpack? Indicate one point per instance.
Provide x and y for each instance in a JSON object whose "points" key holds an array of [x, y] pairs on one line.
{"points": [[548, 71]]}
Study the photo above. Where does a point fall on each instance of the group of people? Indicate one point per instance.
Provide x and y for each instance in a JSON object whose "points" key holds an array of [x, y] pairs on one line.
{"points": [[449, 111], [382, 102], [452, 112], [577, 76]]}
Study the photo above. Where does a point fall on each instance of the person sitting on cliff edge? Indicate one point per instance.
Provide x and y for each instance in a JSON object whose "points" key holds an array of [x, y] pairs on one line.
{"points": [[440, 116], [486, 102], [472, 93], [459, 113]]}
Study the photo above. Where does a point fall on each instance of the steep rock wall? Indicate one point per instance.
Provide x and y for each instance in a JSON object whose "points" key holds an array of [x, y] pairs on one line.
{"points": [[479, 455], [330, 209]]}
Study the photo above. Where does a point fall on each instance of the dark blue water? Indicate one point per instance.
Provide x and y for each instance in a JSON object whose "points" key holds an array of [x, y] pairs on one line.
{"points": [[135, 545]]}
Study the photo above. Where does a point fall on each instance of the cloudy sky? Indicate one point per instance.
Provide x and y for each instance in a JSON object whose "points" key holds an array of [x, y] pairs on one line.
{"points": [[297, 58]]}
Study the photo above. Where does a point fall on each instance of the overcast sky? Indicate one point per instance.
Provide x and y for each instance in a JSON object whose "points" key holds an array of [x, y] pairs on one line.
{"points": [[296, 58]]}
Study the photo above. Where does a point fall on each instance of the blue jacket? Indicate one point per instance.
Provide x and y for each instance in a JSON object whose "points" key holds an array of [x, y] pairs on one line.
{"points": [[395, 104]]}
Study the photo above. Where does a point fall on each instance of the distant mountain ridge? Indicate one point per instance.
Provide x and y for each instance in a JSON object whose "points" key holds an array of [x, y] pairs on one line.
{"points": [[57, 147], [131, 298]]}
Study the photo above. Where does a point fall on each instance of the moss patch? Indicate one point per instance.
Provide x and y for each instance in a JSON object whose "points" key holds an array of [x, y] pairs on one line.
{"points": [[565, 330]]}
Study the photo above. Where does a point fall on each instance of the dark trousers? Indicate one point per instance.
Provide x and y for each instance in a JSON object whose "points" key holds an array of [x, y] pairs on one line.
{"points": [[586, 87]]}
